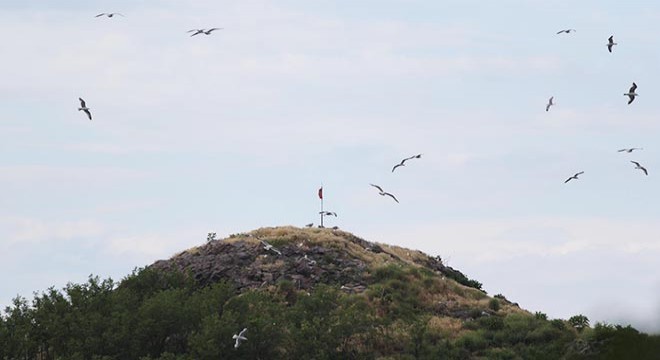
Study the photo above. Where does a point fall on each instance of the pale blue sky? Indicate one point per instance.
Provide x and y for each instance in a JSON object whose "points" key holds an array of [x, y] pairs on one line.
{"points": [[235, 131]]}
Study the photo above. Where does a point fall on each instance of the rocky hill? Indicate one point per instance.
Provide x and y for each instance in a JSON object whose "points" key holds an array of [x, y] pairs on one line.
{"points": [[308, 257], [300, 293]]}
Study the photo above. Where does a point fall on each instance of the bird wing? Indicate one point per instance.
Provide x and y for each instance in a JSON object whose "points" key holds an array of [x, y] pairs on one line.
{"points": [[82, 102], [390, 195], [120, 14], [569, 179], [644, 170], [580, 173], [99, 15], [89, 115], [192, 30], [622, 150], [632, 98], [609, 47], [611, 39], [633, 88], [377, 187], [561, 31], [213, 29], [242, 333], [635, 162], [547, 107], [394, 168]]}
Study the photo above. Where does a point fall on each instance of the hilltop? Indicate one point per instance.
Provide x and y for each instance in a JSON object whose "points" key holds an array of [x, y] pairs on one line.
{"points": [[318, 294], [309, 257]]}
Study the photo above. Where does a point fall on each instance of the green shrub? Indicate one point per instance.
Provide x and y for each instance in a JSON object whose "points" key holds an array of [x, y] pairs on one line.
{"points": [[579, 322], [540, 316], [494, 305]]}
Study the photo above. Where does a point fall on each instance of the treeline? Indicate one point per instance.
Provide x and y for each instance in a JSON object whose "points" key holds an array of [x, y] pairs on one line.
{"points": [[152, 315]]}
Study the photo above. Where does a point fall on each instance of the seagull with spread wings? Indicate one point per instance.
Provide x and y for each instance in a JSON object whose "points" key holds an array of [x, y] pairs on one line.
{"points": [[83, 107], [402, 163], [328, 213], [640, 167], [109, 14], [269, 247], [629, 150], [567, 31], [631, 93], [203, 31], [574, 177], [610, 43], [240, 337], [383, 193]]}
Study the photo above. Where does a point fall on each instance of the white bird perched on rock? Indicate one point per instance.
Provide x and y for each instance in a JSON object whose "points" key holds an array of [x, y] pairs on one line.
{"points": [[240, 337], [83, 107], [383, 193], [309, 261], [631, 93], [270, 247], [610, 43], [203, 31], [629, 150], [574, 177], [550, 103], [402, 163], [640, 167], [109, 14], [567, 31]]}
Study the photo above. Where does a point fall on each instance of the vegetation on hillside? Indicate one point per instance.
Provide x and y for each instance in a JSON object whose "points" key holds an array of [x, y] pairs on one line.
{"points": [[406, 312]]}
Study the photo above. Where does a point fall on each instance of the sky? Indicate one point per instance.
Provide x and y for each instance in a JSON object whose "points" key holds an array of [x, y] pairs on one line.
{"points": [[235, 131]]}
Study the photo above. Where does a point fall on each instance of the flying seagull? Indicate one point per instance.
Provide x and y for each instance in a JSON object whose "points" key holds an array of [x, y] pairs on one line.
{"points": [[631, 93], [638, 166], [629, 150], [574, 177], [610, 43], [240, 337], [270, 247], [567, 31], [109, 14], [550, 103], [402, 163], [383, 193], [84, 108], [203, 31], [328, 213]]}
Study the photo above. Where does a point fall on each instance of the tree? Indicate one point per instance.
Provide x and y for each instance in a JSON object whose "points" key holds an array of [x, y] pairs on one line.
{"points": [[579, 322]]}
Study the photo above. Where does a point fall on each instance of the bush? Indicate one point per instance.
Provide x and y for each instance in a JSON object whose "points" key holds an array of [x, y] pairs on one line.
{"points": [[579, 322], [472, 341], [494, 305], [540, 316]]}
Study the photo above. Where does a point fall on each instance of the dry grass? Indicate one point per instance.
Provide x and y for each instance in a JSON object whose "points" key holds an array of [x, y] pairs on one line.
{"points": [[445, 327], [437, 289]]}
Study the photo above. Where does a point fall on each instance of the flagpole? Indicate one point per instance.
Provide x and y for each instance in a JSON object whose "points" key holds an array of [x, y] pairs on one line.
{"points": [[321, 213]]}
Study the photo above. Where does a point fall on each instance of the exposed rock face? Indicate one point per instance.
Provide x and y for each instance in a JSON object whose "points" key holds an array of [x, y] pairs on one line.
{"points": [[250, 266], [309, 256]]}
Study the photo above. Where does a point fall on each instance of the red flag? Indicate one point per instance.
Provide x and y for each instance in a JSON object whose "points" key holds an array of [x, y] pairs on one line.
{"points": [[321, 193]]}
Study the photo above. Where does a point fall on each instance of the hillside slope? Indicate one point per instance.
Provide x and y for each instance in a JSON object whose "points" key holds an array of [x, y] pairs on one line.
{"points": [[318, 294]]}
